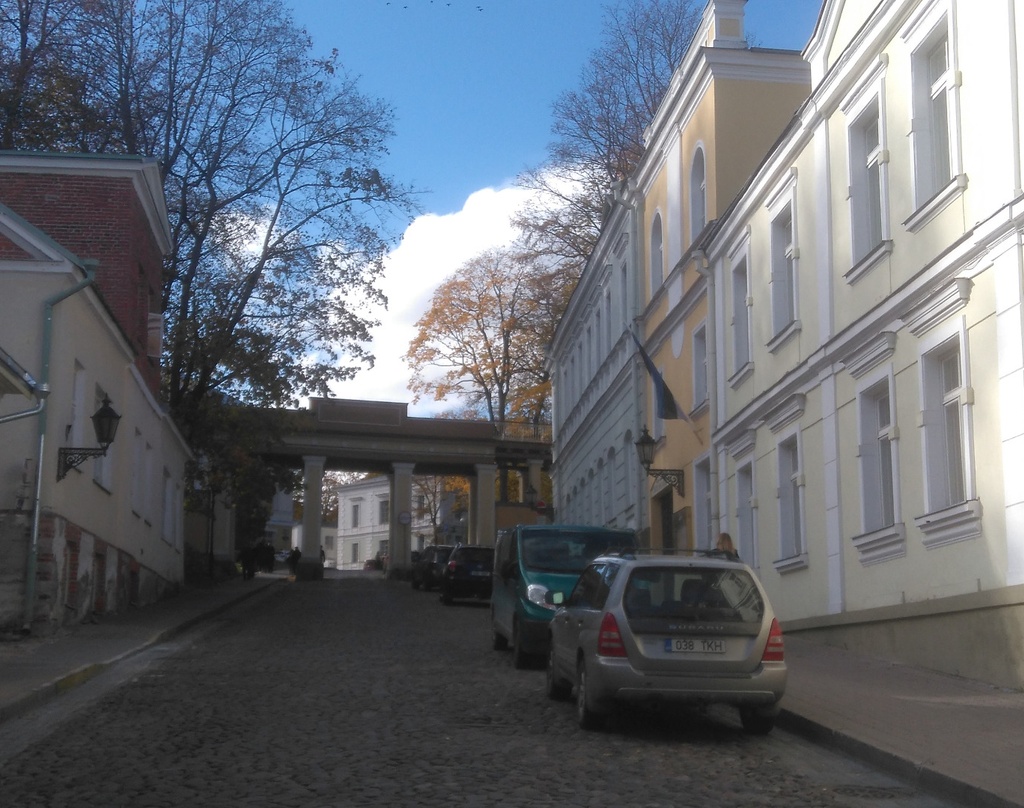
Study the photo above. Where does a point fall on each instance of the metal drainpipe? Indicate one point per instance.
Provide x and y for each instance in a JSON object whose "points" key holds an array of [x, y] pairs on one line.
{"points": [[704, 268], [41, 392], [44, 382]]}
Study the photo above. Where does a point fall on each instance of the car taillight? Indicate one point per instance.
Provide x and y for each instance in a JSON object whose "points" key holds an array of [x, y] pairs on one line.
{"points": [[609, 638], [452, 565], [774, 651]]}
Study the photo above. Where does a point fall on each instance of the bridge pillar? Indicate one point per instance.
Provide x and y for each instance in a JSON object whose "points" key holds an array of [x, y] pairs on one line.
{"points": [[533, 470], [400, 538], [310, 567], [482, 529]]}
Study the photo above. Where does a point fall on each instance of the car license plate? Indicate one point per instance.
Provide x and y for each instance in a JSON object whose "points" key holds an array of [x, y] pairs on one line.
{"points": [[694, 645], [480, 573]]}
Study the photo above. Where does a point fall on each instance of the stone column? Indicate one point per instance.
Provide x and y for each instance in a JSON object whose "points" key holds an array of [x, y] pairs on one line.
{"points": [[482, 528], [400, 536], [533, 470], [310, 568]]}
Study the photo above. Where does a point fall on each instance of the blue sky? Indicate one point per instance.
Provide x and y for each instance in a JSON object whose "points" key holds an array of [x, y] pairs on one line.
{"points": [[471, 83], [472, 89]]}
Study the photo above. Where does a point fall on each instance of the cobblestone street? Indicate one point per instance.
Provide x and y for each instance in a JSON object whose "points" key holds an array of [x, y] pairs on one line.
{"points": [[356, 691]]}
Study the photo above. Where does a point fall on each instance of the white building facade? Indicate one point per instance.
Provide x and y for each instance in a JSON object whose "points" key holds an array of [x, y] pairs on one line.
{"points": [[864, 341]]}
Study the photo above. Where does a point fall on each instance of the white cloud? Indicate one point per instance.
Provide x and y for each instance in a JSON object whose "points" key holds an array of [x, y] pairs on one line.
{"points": [[431, 249]]}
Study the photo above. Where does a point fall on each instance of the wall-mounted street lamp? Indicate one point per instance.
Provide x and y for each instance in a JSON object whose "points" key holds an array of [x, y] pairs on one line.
{"points": [[645, 451], [104, 422]]}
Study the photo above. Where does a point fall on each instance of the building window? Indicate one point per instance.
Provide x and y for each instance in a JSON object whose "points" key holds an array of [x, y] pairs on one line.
{"points": [[943, 420], [698, 195], [745, 513], [866, 182], [102, 469], [138, 473], [783, 277], [877, 458], [933, 87], [383, 511], [657, 255], [354, 552], [791, 528], [167, 522], [700, 366], [355, 514], [740, 316], [702, 504]]}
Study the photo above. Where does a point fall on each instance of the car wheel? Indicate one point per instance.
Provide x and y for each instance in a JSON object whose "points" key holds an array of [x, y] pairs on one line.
{"points": [[558, 689], [520, 659], [585, 716], [756, 723]]}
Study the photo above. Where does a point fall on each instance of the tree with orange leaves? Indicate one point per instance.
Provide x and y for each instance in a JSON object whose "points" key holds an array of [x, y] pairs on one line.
{"points": [[482, 339]]}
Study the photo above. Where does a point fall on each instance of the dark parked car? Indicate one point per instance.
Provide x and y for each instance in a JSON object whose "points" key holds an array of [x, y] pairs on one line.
{"points": [[428, 568], [468, 573]]}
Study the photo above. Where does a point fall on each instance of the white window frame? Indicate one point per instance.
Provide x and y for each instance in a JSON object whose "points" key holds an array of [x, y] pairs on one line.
{"points": [[657, 257], [745, 485], [741, 322], [953, 509], [868, 154], [698, 193], [702, 516], [102, 467], [945, 399], [790, 494], [783, 271], [784, 262], [879, 462], [935, 109], [700, 366]]}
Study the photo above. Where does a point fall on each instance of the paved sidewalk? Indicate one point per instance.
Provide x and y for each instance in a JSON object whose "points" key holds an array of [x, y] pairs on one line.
{"points": [[961, 739]]}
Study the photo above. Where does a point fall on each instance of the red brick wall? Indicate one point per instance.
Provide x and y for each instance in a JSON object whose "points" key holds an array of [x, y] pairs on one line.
{"points": [[99, 218]]}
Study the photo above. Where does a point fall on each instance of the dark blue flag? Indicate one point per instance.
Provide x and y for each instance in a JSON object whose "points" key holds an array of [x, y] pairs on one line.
{"points": [[665, 406]]}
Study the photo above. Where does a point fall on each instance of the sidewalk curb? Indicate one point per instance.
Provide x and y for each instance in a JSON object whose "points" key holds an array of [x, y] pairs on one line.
{"points": [[80, 676], [917, 775]]}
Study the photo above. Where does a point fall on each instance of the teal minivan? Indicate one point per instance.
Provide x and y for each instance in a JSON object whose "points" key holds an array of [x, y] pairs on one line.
{"points": [[529, 562]]}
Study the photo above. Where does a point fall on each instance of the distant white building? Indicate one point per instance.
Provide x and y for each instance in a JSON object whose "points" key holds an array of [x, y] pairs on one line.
{"points": [[362, 532]]}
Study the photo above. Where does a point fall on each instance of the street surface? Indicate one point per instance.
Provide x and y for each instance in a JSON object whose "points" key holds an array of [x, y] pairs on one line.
{"points": [[354, 691]]}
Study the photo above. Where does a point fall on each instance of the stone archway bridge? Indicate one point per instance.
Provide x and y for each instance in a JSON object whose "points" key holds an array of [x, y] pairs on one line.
{"points": [[349, 435]]}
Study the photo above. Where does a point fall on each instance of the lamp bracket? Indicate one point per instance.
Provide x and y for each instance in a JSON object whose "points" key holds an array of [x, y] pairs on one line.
{"points": [[673, 477], [69, 458]]}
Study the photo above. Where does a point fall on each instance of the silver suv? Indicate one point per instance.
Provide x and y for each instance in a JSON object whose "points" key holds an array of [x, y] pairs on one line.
{"points": [[690, 629]]}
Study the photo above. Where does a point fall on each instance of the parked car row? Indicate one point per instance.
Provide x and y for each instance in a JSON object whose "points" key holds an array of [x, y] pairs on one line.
{"points": [[620, 627], [462, 571]]}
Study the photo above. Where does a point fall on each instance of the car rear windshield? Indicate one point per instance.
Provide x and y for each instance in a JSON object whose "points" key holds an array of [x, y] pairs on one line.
{"points": [[476, 555], [569, 552], [691, 593]]}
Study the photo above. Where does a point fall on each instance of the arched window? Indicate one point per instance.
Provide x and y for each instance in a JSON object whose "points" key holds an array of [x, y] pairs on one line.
{"points": [[698, 195], [657, 255]]}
